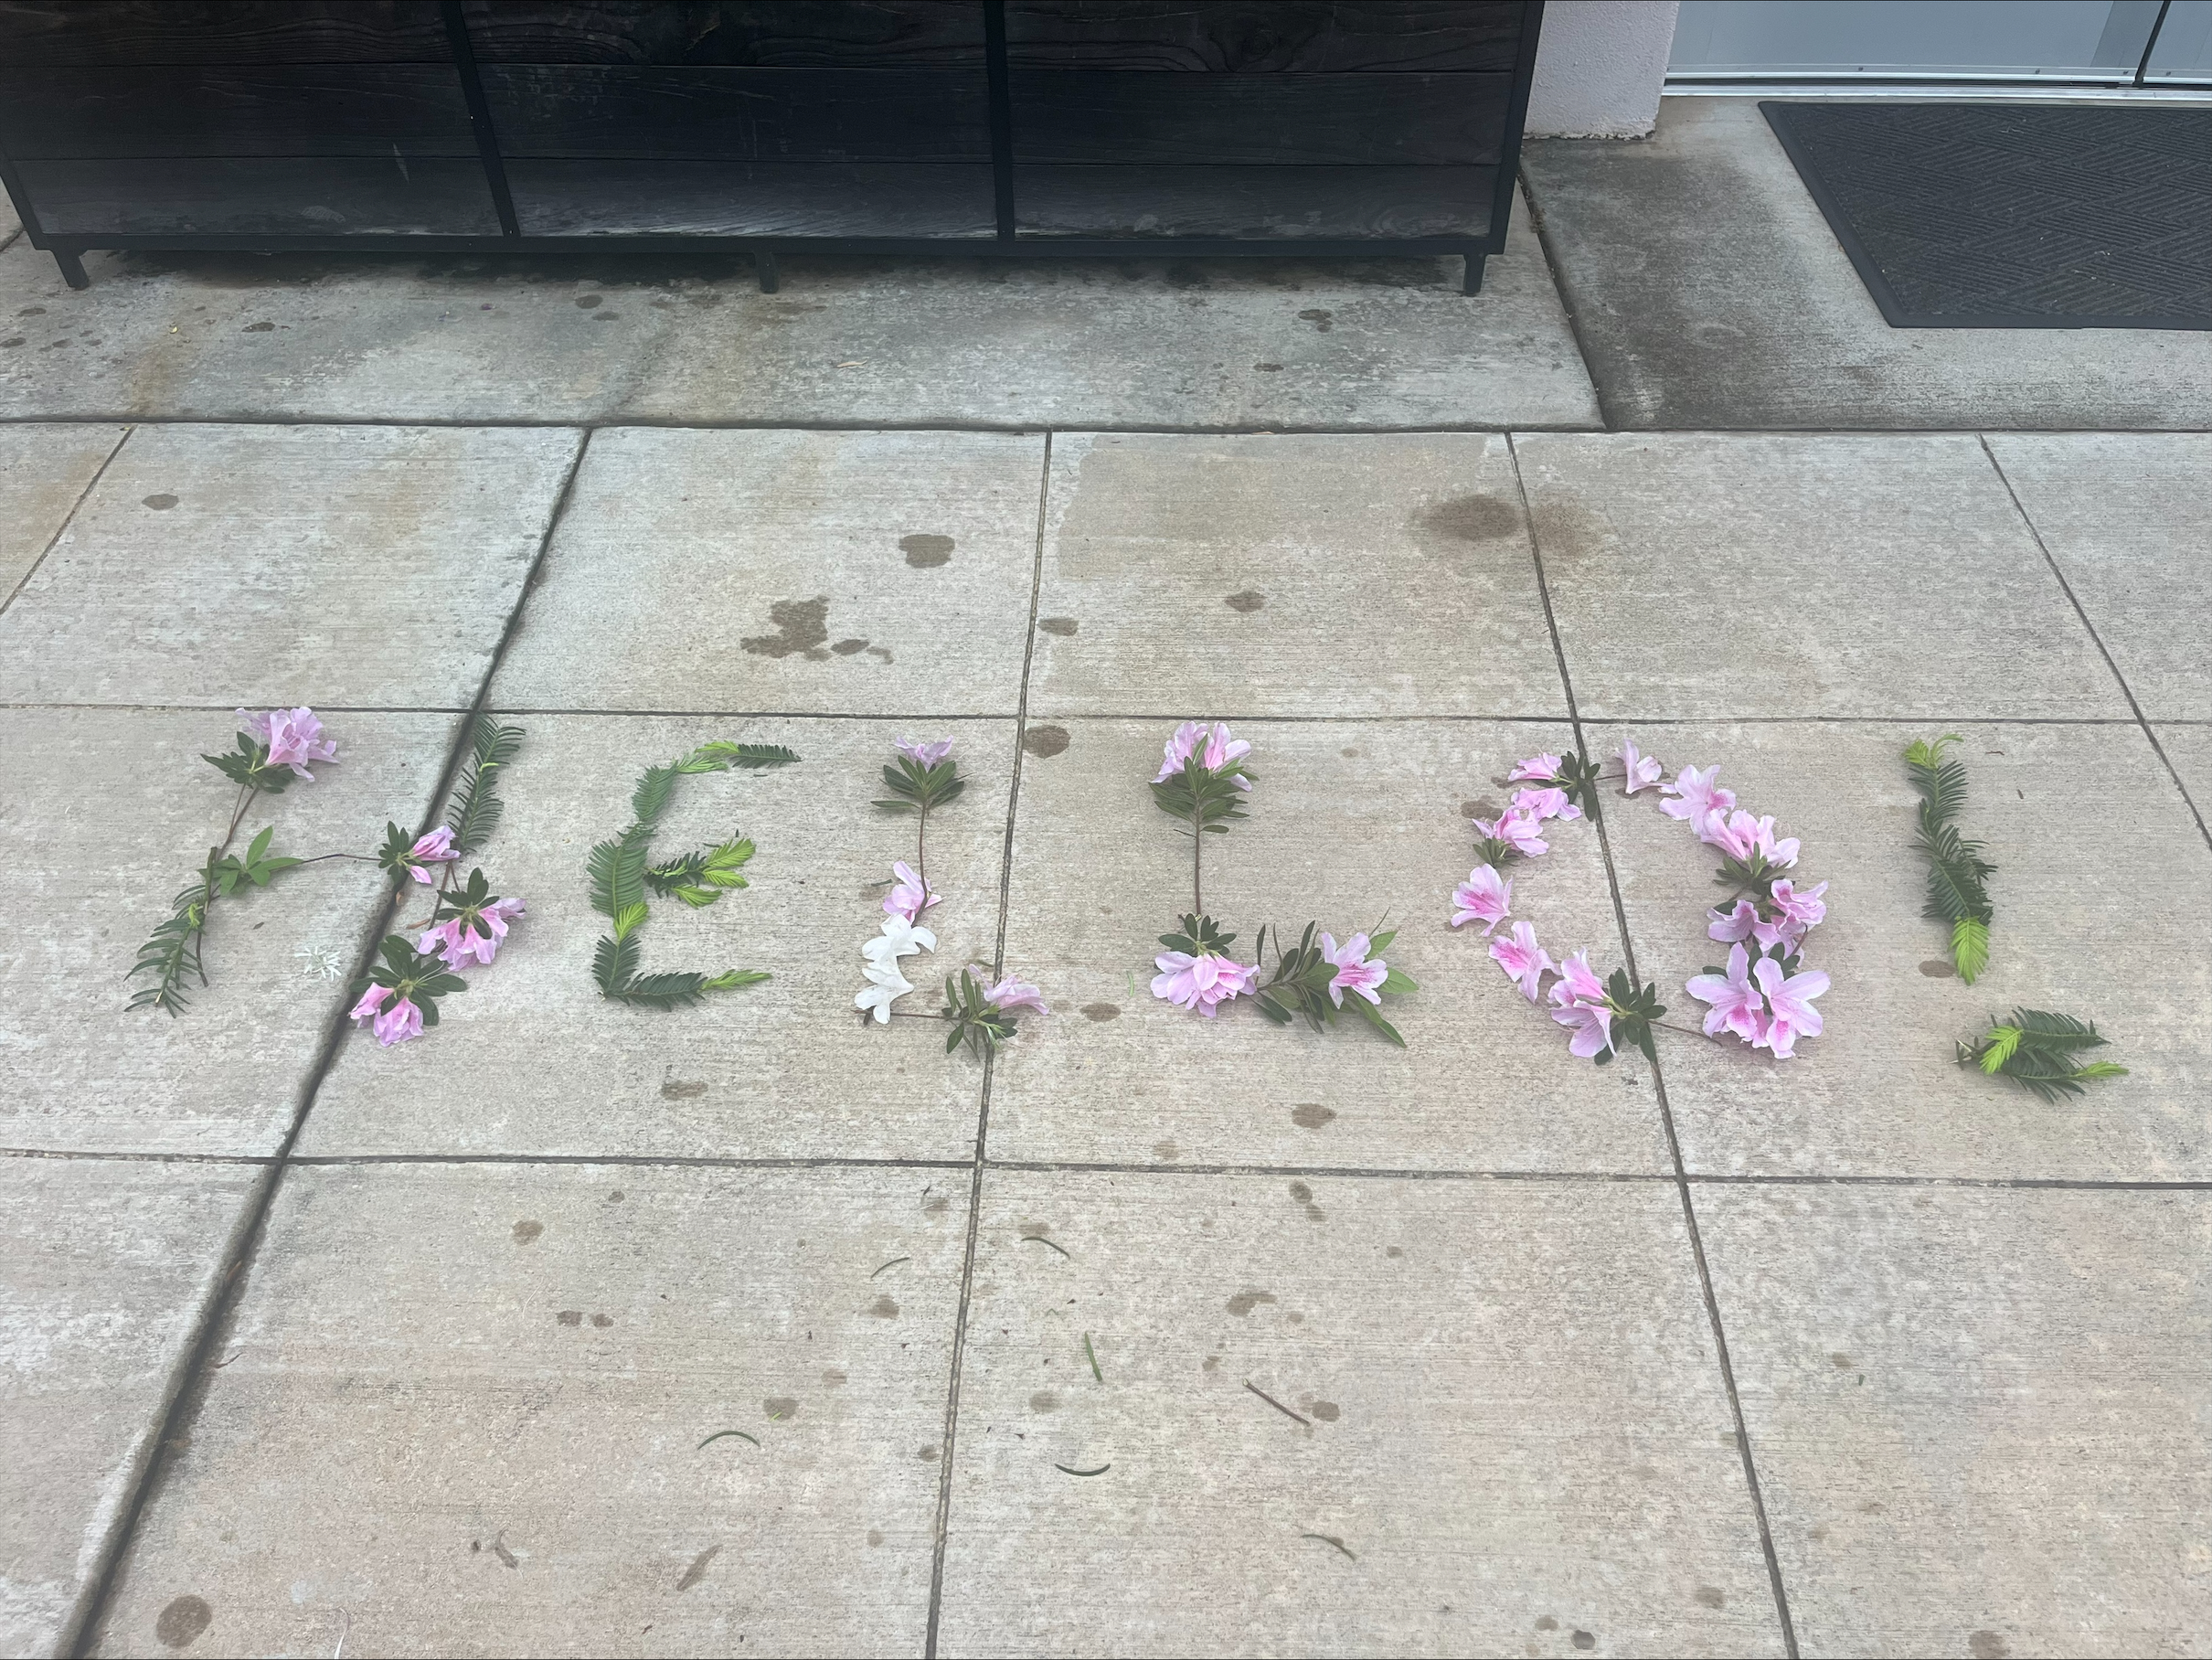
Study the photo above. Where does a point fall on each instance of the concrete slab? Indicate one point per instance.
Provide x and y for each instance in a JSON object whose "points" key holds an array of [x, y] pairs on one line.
{"points": [[1710, 292], [1516, 1424], [103, 1267], [2189, 747], [467, 1406], [95, 851], [1289, 575], [533, 1060], [287, 565], [1978, 1416], [816, 572], [1700, 574], [2127, 516], [43, 472], [1351, 823], [850, 341], [1880, 1093]]}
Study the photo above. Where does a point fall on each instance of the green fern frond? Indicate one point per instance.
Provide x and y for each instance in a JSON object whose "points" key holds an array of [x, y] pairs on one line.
{"points": [[476, 805], [2036, 1049], [1970, 947]]}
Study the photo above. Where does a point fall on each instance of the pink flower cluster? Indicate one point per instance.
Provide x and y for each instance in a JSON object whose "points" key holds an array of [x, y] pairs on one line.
{"points": [[475, 936], [436, 848], [910, 897], [923, 755], [1010, 996], [1203, 982], [1520, 827], [1213, 747], [294, 737], [397, 1024], [1578, 997]]}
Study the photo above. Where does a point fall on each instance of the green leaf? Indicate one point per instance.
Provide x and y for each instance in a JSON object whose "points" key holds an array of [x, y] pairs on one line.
{"points": [[1397, 983], [1970, 947], [630, 920], [1374, 1017], [2000, 1046], [475, 808], [613, 965]]}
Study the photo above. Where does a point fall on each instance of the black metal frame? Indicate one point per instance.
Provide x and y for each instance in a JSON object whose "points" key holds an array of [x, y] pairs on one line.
{"points": [[69, 250]]}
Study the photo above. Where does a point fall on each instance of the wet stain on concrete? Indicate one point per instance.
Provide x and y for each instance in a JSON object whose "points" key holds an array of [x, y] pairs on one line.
{"points": [[697, 1570], [1584, 1640], [1939, 968], [802, 625], [1045, 741], [603, 1321], [1247, 600], [1323, 321], [1064, 627], [1546, 1622], [781, 1407], [162, 502], [1102, 1011], [883, 1308], [684, 1089], [1328, 1411], [571, 1316], [1303, 1194], [1311, 1115], [1244, 1302], [875, 1537], [526, 1231], [180, 1623], [1478, 809], [589, 302], [1167, 1152], [1394, 1251], [259, 328], [846, 648], [927, 550], [1269, 368], [833, 1377], [936, 1206], [928, 1456], [1472, 518], [1986, 1645], [1044, 1401], [1711, 1596]]}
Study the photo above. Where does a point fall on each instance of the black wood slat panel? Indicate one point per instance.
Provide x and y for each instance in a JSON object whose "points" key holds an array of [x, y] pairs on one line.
{"points": [[339, 110], [95, 33], [1265, 36], [751, 198], [323, 196], [763, 34], [589, 109], [1262, 203], [1099, 115]]}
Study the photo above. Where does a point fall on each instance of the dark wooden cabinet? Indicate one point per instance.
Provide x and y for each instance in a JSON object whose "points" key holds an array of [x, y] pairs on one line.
{"points": [[993, 126]]}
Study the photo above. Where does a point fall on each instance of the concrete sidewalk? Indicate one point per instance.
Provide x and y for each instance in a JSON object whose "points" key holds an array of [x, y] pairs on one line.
{"points": [[1157, 1335]]}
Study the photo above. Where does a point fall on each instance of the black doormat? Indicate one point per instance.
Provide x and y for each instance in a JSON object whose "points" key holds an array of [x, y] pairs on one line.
{"points": [[2014, 216]]}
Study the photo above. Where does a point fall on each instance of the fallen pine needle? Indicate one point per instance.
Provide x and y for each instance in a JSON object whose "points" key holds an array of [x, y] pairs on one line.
{"points": [[719, 1433], [893, 1262], [1038, 1239], [1100, 1471], [1091, 1355], [1330, 1538], [1280, 1407]]}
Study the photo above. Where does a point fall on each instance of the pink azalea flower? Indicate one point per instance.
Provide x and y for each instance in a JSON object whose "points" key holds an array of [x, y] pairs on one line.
{"points": [[907, 898], [294, 737], [1221, 748], [924, 754], [1791, 1002], [1517, 830], [1775, 851], [1202, 982], [1354, 971], [1638, 770], [1484, 897], [1180, 748], [436, 848], [1522, 959], [1806, 909], [457, 941], [1696, 795], [1578, 1003], [1736, 924], [371, 1001], [397, 1024], [1541, 767], [1541, 805], [1010, 993], [1737, 1006]]}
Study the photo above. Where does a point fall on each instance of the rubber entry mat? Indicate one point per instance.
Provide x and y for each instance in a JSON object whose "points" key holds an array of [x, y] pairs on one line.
{"points": [[2014, 216]]}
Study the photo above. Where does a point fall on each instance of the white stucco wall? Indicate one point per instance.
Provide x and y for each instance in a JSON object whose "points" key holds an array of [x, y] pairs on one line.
{"points": [[1599, 66]]}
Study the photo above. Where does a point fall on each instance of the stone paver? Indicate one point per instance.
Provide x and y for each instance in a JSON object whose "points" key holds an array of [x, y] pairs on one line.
{"points": [[467, 1404], [1289, 575], [106, 815], [1879, 1093], [780, 1071], [43, 472], [1710, 292], [1974, 1428], [103, 1267], [867, 573], [287, 565], [851, 340], [1517, 1429], [1699, 574], [2127, 516], [1351, 823]]}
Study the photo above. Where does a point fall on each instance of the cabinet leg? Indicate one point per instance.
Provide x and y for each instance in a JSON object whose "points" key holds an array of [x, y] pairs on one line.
{"points": [[764, 267], [1473, 283], [72, 269]]}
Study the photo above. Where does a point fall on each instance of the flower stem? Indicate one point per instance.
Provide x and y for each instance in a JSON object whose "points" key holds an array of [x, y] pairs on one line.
{"points": [[1198, 894], [1688, 1031], [921, 857]]}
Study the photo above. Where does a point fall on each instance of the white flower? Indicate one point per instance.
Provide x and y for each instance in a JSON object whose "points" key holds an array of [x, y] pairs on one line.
{"points": [[886, 985], [900, 939], [320, 962]]}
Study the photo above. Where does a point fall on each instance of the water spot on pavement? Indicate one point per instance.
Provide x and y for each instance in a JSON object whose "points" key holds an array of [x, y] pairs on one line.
{"points": [[926, 551], [1328, 1411], [1064, 627], [571, 1316], [684, 1089], [589, 302], [259, 328], [1711, 1596], [883, 1308], [1584, 1640], [180, 1623], [780, 1406], [1244, 1302], [1939, 968], [1478, 809], [936, 1206], [1323, 321], [1302, 1193], [526, 1231], [1166, 1151], [875, 1537], [603, 1321], [928, 1456], [1102, 1011], [1547, 1622], [833, 1377], [162, 502], [1841, 1362], [846, 648], [1986, 1645], [697, 1570], [1472, 518], [802, 625], [1044, 1401], [1269, 368], [1045, 741], [1310, 1116], [1394, 1251], [1246, 601]]}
